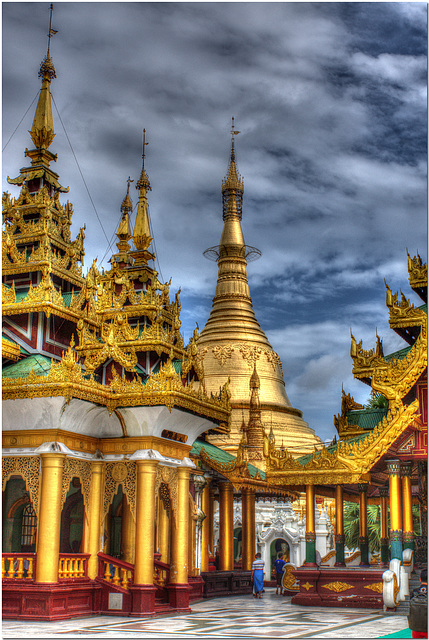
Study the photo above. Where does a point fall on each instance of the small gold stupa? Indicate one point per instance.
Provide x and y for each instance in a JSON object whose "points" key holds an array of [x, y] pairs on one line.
{"points": [[232, 341]]}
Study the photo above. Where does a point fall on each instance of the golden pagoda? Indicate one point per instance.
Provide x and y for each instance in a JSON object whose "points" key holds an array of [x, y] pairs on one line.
{"points": [[232, 341]]}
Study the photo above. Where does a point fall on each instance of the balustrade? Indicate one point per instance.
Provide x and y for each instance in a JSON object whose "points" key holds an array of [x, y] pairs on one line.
{"points": [[73, 565], [117, 572], [18, 566]]}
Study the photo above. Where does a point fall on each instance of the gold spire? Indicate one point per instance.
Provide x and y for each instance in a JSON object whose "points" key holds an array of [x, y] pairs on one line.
{"points": [[42, 132], [232, 341], [141, 236], [124, 228], [233, 185]]}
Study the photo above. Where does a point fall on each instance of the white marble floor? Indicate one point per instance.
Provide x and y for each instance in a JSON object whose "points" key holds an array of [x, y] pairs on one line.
{"points": [[233, 617]]}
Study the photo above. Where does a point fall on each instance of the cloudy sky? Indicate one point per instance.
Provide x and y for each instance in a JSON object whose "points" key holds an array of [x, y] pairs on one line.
{"points": [[330, 99]]}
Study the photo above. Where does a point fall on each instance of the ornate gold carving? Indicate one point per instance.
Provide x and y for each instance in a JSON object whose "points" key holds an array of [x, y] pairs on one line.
{"points": [[289, 581], [375, 586], [119, 472], [402, 313], [128, 484], [167, 476], [274, 359], [65, 378], [223, 353], [349, 461], [81, 469], [417, 272], [249, 353], [338, 587], [28, 467], [307, 586]]}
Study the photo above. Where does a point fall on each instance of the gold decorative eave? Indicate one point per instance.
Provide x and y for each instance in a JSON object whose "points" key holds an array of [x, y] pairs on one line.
{"points": [[48, 308], [237, 472], [349, 463], [66, 379], [10, 350], [345, 429], [396, 377], [417, 272], [10, 268], [402, 313]]}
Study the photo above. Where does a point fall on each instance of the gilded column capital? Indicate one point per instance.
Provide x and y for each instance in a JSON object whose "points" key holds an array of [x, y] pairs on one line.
{"points": [[406, 468], [393, 467]]}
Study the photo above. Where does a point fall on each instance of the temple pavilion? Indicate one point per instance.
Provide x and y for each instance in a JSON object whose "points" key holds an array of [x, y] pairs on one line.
{"points": [[380, 458], [109, 486], [119, 439]]}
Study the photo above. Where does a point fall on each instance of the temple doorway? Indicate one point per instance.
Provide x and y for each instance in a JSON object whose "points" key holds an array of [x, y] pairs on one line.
{"points": [[279, 545], [19, 518], [72, 517]]}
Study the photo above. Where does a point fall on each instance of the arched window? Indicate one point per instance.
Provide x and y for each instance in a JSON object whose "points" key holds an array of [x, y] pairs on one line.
{"points": [[28, 527]]}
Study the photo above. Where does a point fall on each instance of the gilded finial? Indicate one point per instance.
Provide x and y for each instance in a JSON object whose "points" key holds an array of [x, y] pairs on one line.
{"points": [[232, 187], [143, 181], [127, 205], [47, 69]]}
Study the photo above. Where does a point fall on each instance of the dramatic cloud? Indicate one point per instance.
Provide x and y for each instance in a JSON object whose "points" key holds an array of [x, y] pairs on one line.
{"points": [[330, 99]]}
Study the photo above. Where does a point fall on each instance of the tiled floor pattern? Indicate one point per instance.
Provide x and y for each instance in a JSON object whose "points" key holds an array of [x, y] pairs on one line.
{"points": [[235, 617]]}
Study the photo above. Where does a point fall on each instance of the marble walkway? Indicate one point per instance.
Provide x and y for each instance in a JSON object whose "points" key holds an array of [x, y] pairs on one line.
{"points": [[234, 617]]}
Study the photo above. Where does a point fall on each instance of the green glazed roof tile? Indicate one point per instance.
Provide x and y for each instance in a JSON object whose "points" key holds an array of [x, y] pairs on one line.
{"points": [[398, 355], [39, 364], [221, 456], [366, 418]]}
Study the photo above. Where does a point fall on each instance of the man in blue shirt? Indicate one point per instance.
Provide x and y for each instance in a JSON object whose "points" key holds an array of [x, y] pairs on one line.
{"points": [[279, 565]]}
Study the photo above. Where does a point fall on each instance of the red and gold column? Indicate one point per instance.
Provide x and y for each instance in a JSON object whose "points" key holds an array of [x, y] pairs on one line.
{"points": [[94, 537], [310, 526], [128, 532], [248, 528], [339, 526], [226, 526], [384, 535], [48, 537], [143, 589], [393, 467], [363, 524], [178, 588], [407, 505]]}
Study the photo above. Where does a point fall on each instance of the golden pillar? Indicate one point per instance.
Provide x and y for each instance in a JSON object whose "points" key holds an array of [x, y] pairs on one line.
{"points": [[164, 532], [393, 467], [339, 526], [145, 521], [384, 535], [128, 532], [310, 526], [226, 526], [179, 542], [248, 534], [205, 528], [407, 505], [49, 525], [93, 541]]}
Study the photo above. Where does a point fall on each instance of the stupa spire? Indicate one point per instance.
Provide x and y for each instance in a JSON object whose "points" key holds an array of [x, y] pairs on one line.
{"points": [[42, 131], [233, 185], [141, 235], [124, 229]]}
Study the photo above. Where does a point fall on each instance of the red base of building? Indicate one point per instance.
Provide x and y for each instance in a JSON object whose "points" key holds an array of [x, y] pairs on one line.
{"points": [[178, 597], [336, 587], [41, 601], [196, 588], [142, 600]]}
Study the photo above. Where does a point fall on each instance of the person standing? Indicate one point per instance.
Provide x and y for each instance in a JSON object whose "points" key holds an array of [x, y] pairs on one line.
{"points": [[280, 566], [257, 576], [418, 607]]}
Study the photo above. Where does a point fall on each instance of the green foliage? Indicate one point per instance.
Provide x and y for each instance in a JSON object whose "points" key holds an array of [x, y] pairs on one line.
{"points": [[351, 524], [377, 401]]}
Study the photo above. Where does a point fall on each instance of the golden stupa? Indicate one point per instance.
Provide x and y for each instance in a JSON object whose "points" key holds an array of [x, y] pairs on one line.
{"points": [[232, 344]]}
